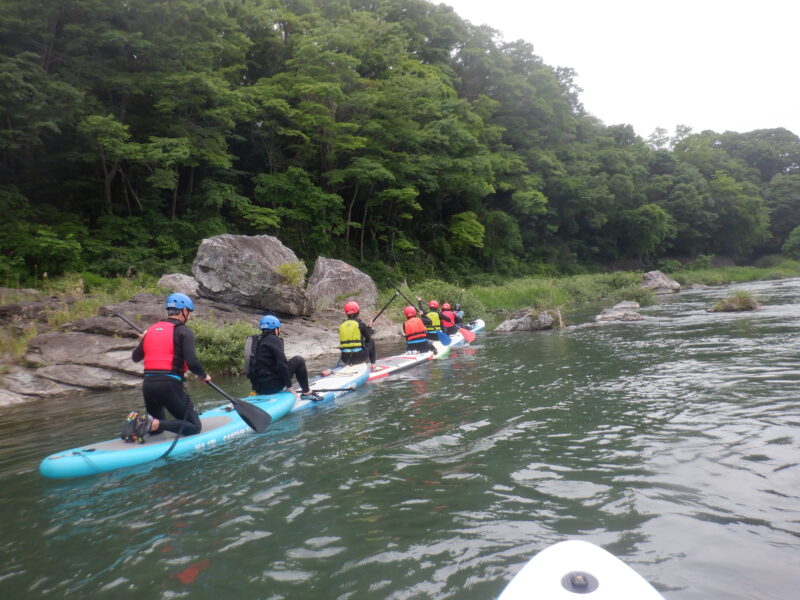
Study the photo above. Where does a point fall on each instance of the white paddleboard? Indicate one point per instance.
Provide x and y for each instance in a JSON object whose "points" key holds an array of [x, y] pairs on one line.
{"points": [[577, 569]]}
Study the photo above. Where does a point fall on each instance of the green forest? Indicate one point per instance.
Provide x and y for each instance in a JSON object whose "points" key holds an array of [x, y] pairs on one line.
{"points": [[392, 134]]}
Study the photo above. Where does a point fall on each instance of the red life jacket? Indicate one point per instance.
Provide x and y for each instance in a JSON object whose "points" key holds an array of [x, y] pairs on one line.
{"points": [[447, 315], [415, 330], [159, 350]]}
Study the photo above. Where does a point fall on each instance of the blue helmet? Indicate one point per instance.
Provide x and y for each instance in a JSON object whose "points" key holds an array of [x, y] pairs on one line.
{"points": [[179, 301], [269, 322]]}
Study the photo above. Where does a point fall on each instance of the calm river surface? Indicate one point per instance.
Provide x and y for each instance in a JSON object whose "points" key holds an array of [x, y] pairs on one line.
{"points": [[674, 443]]}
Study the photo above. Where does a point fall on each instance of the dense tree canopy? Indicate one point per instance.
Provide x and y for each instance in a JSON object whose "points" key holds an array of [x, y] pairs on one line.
{"points": [[390, 133]]}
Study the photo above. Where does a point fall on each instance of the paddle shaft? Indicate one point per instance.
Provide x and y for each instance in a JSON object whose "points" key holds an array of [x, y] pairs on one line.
{"points": [[375, 318], [399, 291], [347, 389]]}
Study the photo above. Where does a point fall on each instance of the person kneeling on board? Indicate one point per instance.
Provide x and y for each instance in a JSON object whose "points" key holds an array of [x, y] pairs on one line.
{"points": [[450, 323], [168, 351], [268, 369], [415, 329], [355, 338]]}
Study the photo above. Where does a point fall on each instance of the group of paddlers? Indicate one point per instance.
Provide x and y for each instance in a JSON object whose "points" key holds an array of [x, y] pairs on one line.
{"points": [[168, 351]]}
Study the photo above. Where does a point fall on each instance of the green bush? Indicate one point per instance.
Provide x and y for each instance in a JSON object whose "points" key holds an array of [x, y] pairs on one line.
{"points": [[634, 293], [738, 301], [220, 347], [292, 273]]}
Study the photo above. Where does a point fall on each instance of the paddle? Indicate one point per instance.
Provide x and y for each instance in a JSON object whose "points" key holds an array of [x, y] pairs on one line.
{"points": [[468, 335], [257, 419], [443, 337], [346, 389], [375, 318]]}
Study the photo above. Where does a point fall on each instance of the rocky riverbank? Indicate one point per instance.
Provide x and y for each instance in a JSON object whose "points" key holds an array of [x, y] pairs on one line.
{"points": [[237, 279]]}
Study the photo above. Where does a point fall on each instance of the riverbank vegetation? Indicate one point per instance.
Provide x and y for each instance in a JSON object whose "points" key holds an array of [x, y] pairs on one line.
{"points": [[740, 300], [393, 135]]}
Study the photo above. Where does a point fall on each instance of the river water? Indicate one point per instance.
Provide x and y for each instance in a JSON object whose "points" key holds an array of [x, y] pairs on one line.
{"points": [[674, 443]]}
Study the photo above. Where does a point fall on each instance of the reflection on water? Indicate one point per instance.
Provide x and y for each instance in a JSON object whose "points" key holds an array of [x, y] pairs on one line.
{"points": [[671, 442]]}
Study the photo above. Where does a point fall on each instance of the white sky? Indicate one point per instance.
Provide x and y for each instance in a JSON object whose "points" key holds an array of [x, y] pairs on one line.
{"points": [[709, 64]]}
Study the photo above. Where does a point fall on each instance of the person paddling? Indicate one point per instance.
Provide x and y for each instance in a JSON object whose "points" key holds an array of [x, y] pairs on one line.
{"points": [[435, 318], [355, 338], [168, 351], [270, 371], [450, 322], [415, 330]]}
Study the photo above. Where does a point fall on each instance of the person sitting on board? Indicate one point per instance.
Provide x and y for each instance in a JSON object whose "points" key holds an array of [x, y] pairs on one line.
{"points": [[355, 338], [449, 323], [415, 329], [434, 317], [459, 314], [270, 372], [167, 348]]}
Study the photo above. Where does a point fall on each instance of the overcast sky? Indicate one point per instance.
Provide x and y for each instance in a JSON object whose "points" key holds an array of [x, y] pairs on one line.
{"points": [[709, 64]]}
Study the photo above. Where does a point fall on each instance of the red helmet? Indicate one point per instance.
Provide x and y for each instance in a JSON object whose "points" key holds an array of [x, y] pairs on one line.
{"points": [[433, 304], [351, 308], [409, 311], [445, 306]]}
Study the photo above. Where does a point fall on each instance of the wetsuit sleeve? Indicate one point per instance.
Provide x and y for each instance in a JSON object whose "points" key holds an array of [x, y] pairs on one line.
{"points": [[138, 353], [275, 346], [366, 332], [189, 353], [426, 321], [421, 306]]}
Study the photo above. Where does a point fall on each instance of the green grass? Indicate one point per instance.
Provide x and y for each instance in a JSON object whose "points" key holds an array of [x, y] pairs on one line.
{"points": [[771, 270], [738, 301]]}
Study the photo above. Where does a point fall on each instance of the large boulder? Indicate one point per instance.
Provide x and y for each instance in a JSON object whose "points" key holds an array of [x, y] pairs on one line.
{"points": [[335, 282], [178, 282], [660, 283], [255, 271]]}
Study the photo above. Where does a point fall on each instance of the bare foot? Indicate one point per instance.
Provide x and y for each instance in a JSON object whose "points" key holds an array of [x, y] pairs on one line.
{"points": [[154, 425]]}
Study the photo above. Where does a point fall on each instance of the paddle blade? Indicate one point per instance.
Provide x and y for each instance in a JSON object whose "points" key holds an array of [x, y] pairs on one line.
{"points": [[444, 338], [468, 335], [257, 419]]}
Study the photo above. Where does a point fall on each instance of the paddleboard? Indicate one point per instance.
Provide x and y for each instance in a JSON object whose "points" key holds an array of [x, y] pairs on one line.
{"points": [[220, 425], [390, 365], [349, 376], [457, 340], [576, 568]]}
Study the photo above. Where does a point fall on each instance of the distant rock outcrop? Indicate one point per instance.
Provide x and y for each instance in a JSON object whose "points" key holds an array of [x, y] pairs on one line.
{"points": [[333, 282], [529, 321], [178, 282], [660, 283], [623, 311], [255, 271]]}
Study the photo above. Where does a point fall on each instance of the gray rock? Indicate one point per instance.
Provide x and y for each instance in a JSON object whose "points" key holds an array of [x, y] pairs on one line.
{"points": [[25, 383], [613, 314], [334, 282], [78, 348], [246, 270], [178, 282], [7, 398], [626, 304], [660, 283], [93, 378], [543, 320]]}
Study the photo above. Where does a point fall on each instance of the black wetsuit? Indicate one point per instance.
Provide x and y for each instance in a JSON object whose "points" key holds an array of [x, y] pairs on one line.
{"points": [[164, 390], [272, 371]]}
